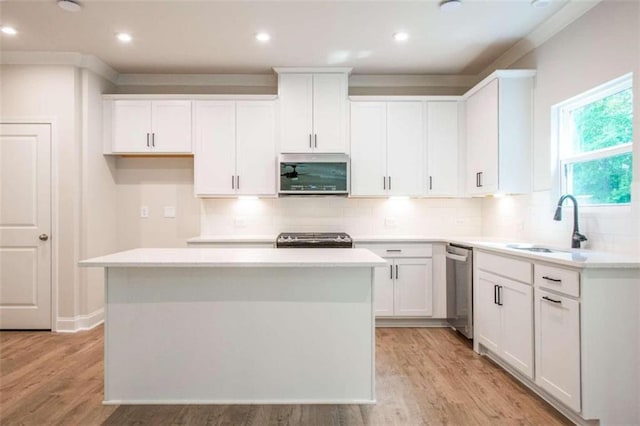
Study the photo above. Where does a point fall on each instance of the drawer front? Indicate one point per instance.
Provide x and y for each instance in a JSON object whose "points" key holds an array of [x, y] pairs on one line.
{"points": [[399, 250], [505, 266], [562, 280]]}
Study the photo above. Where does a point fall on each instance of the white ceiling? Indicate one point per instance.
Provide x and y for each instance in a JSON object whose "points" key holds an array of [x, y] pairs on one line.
{"points": [[181, 36]]}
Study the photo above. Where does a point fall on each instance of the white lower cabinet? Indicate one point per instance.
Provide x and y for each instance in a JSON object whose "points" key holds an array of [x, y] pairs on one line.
{"points": [[403, 288], [383, 291], [557, 320], [504, 320]]}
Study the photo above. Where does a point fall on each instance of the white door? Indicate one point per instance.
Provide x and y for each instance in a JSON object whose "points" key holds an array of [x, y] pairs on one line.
{"points": [[368, 148], [131, 126], [405, 148], [295, 96], [557, 324], [25, 226], [487, 325], [329, 112], [215, 153], [442, 152], [171, 126], [413, 288], [255, 148], [516, 339], [383, 290], [482, 140]]}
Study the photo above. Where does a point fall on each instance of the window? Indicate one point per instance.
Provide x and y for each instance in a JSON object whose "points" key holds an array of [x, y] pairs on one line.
{"points": [[595, 143]]}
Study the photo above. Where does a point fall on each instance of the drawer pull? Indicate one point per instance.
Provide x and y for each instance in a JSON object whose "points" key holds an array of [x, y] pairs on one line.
{"points": [[555, 280], [552, 300], [394, 251]]}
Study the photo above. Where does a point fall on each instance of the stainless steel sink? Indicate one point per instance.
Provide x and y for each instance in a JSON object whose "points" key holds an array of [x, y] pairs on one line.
{"points": [[535, 249]]}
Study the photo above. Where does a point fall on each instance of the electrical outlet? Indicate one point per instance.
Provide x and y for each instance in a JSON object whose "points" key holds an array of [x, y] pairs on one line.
{"points": [[240, 222], [390, 222], [144, 212], [170, 211]]}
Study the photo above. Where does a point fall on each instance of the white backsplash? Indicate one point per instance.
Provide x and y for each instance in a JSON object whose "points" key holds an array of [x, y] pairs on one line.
{"points": [[432, 217], [530, 218]]}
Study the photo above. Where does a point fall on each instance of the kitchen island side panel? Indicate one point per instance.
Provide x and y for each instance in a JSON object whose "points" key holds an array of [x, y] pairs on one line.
{"points": [[239, 335]]}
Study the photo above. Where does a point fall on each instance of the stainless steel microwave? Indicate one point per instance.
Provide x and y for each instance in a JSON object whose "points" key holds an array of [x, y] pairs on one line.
{"points": [[313, 174]]}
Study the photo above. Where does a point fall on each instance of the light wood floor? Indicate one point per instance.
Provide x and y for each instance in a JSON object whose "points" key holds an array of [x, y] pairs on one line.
{"points": [[424, 377]]}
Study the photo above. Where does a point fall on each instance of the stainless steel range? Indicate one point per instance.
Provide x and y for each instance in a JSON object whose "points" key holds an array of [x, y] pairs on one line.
{"points": [[314, 240]]}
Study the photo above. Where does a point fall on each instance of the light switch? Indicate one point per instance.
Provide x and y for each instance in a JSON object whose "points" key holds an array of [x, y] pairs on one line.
{"points": [[170, 211], [240, 222], [390, 222], [144, 212]]}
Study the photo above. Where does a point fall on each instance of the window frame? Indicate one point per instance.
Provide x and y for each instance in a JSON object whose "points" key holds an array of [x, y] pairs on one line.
{"points": [[565, 155]]}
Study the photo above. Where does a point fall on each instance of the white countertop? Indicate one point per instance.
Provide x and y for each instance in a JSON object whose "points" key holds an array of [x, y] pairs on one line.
{"points": [[240, 257], [577, 258]]}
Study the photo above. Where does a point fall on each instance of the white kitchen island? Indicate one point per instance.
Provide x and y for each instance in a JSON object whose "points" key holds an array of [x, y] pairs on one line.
{"points": [[246, 326]]}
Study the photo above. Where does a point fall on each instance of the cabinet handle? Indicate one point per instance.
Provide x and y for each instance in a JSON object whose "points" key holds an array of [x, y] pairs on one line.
{"points": [[495, 294], [552, 300], [480, 184], [148, 140], [153, 140], [499, 295], [430, 183], [233, 185], [384, 183], [315, 140], [396, 272], [394, 250], [477, 180], [555, 280], [389, 183], [238, 182], [310, 146], [391, 271]]}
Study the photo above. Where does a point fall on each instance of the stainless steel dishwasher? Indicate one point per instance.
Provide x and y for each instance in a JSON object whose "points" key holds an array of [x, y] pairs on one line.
{"points": [[460, 289]]}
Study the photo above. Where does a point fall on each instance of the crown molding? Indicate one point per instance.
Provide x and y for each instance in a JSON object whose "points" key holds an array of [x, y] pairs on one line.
{"points": [[255, 80], [75, 59], [557, 22], [390, 80], [317, 70]]}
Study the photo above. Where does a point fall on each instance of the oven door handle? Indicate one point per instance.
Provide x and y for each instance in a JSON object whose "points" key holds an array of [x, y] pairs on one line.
{"points": [[456, 257]]}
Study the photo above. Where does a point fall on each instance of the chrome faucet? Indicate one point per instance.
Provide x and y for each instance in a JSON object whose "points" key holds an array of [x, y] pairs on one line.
{"points": [[576, 237]]}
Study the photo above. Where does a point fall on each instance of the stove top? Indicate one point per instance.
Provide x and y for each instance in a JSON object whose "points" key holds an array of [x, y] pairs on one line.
{"points": [[314, 240]]}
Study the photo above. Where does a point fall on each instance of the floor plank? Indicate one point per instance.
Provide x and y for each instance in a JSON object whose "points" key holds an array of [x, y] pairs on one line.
{"points": [[424, 376]]}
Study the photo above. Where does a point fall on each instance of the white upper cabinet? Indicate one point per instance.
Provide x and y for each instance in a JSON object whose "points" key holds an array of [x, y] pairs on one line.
{"points": [[235, 148], [148, 126], [442, 148], [405, 148], [499, 133], [313, 112], [387, 148]]}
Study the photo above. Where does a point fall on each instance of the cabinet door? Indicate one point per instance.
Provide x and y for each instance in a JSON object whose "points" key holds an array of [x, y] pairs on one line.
{"points": [[171, 126], [482, 140], [368, 148], [255, 148], [329, 112], [413, 288], [383, 290], [516, 339], [131, 126], [405, 148], [557, 324], [442, 151], [295, 92], [215, 156], [487, 317]]}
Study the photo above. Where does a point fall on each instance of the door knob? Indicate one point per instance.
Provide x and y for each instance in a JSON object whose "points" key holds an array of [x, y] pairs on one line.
{"points": [[43, 237]]}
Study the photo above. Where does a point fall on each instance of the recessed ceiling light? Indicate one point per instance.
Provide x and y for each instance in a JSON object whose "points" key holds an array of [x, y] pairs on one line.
{"points": [[69, 5], [401, 36], [447, 5], [124, 37], [538, 4], [263, 37], [9, 30]]}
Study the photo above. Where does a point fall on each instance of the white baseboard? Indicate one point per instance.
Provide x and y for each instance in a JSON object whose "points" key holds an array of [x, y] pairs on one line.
{"points": [[241, 402], [80, 322], [411, 322]]}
